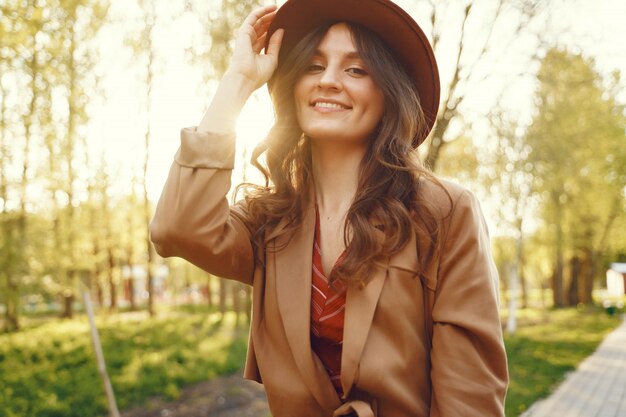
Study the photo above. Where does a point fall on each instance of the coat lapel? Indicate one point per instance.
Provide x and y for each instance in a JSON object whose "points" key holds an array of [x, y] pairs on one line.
{"points": [[361, 303], [293, 285]]}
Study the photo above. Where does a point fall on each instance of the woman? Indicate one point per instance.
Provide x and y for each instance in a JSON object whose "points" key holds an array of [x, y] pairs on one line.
{"points": [[374, 292]]}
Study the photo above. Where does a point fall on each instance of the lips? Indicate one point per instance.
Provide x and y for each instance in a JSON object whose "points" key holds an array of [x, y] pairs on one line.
{"points": [[329, 104]]}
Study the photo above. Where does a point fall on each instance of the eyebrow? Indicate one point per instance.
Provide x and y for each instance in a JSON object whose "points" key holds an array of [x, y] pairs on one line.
{"points": [[347, 55]]}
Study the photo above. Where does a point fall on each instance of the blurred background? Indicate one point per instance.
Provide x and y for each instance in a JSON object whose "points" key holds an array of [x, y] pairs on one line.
{"points": [[93, 94]]}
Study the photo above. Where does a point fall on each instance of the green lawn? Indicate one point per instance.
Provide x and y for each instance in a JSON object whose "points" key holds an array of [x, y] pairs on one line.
{"points": [[546, 346], [50, 370]]}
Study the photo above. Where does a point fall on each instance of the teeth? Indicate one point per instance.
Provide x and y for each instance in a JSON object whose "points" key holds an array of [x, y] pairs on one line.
{"points": [[329, 105]]}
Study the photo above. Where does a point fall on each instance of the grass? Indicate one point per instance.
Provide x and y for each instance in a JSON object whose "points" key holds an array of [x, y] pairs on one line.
{"points": [[50, 370], [546, 346]]}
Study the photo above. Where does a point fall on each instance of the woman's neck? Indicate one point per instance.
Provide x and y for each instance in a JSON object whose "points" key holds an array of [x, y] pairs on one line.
{"points": [[336, 174]]}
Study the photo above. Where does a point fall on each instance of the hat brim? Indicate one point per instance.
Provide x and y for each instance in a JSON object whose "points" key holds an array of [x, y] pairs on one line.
{"points": [[391, 23]]}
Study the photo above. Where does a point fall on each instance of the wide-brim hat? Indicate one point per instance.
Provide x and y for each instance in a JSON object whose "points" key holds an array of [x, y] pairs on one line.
{"points": [[391, 23]]}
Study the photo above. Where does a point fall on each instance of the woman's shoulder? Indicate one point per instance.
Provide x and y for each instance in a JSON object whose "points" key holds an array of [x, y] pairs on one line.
{"points": [[441, 194]]}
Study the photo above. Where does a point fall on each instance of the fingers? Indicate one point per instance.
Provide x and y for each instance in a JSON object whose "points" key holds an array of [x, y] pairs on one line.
{"points": [[261, 27], [259, 43], [264, 22], [274, 44], [256, 25], [258, 14]]}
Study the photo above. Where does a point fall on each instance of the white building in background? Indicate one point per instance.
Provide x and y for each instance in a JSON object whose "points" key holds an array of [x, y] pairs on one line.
{"points": [[139, 276], [616, 280]]}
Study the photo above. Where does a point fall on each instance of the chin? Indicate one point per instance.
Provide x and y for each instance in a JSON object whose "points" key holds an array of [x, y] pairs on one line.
{"points": [[335, 137]]}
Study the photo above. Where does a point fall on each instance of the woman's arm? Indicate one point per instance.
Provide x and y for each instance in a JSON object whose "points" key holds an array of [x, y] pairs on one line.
{"points": [[248, 70], [469, 368], [193, 219]]}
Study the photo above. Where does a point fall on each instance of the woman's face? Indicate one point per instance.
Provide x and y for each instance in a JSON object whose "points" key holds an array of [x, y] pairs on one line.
{"points": [[336, 98]]}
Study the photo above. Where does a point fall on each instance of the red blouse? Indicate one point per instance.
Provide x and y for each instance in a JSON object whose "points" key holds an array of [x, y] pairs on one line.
{"points": [[327, 314]]}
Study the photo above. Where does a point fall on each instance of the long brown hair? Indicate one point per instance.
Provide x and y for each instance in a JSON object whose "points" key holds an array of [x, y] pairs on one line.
{"points": [[387, 200]]}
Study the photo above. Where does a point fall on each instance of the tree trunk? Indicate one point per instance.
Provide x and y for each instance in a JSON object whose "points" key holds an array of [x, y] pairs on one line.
{"points": [[68, 301], [209, 290], [148, 9], [11, 318], [573, 297], [222, 294], [99, 292], [96, 273], [20, 262], [188, 292], [11, 314], [150, 278], [131, 292], [235, 290], [70, 142], [557, 283], [520, 264], [130, 253], [248, 303], [111, 276], [588, 273]]}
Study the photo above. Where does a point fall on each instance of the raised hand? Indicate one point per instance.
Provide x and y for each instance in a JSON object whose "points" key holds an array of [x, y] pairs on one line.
{"points": [[247, 59], [248, 70]]}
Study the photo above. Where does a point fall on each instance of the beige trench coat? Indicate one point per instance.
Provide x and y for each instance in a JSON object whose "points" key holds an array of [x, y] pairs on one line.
{"points": [[387, 367]]}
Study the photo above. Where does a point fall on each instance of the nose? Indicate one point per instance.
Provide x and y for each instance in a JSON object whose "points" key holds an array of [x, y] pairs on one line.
{"points": [[330, 78]]}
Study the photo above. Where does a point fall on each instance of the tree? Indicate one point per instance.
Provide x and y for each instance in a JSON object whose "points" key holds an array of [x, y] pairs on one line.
{"points": [[46, 58], [78, 22], [508, 176], [469, 36], [21, 57], [578, 159], [144, 49], [8, 285]]}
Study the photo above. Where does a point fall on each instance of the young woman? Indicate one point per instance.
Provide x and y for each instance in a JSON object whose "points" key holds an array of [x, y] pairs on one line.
{"points": [[374, 291]]}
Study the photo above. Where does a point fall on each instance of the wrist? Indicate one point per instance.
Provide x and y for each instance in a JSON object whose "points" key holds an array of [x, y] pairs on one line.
{"points": [[242, 85], [232, 93]]}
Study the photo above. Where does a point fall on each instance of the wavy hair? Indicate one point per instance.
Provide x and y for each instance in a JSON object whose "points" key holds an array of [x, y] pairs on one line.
{"points": [[388, 205]]}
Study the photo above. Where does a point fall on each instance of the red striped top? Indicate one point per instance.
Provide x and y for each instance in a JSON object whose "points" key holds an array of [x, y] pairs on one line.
{"points": [[327, 314]]}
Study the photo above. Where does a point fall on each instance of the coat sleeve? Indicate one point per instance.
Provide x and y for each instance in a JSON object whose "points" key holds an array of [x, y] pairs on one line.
{"points": [[193, 219], [469, 367]]}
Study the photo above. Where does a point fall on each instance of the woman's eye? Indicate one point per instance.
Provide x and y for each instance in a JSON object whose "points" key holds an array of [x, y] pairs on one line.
{"points": [[315, 68], [356, 71]]}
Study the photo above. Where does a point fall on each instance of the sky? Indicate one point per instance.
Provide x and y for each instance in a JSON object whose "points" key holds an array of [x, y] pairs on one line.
{"points": [[593, 27]]}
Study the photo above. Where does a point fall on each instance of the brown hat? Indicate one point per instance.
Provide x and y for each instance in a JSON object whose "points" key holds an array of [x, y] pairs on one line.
{"points": [[383, 17]]}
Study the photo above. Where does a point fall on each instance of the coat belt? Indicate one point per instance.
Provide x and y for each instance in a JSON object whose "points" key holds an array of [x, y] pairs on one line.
{"points": [[361, 408]]}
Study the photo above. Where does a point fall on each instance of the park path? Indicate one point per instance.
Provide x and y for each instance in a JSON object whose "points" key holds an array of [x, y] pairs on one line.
{"points": [[596, 389], [225, 396]]}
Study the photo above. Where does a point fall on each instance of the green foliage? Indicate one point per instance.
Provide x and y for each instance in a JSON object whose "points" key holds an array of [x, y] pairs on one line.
{"points": [[577, 152], [546, 346], [458, 160], [47, 58], [51, 370], [559, 181]]}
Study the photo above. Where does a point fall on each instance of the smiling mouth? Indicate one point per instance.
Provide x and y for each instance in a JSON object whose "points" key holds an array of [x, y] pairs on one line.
{"points": [[327, 105]]}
